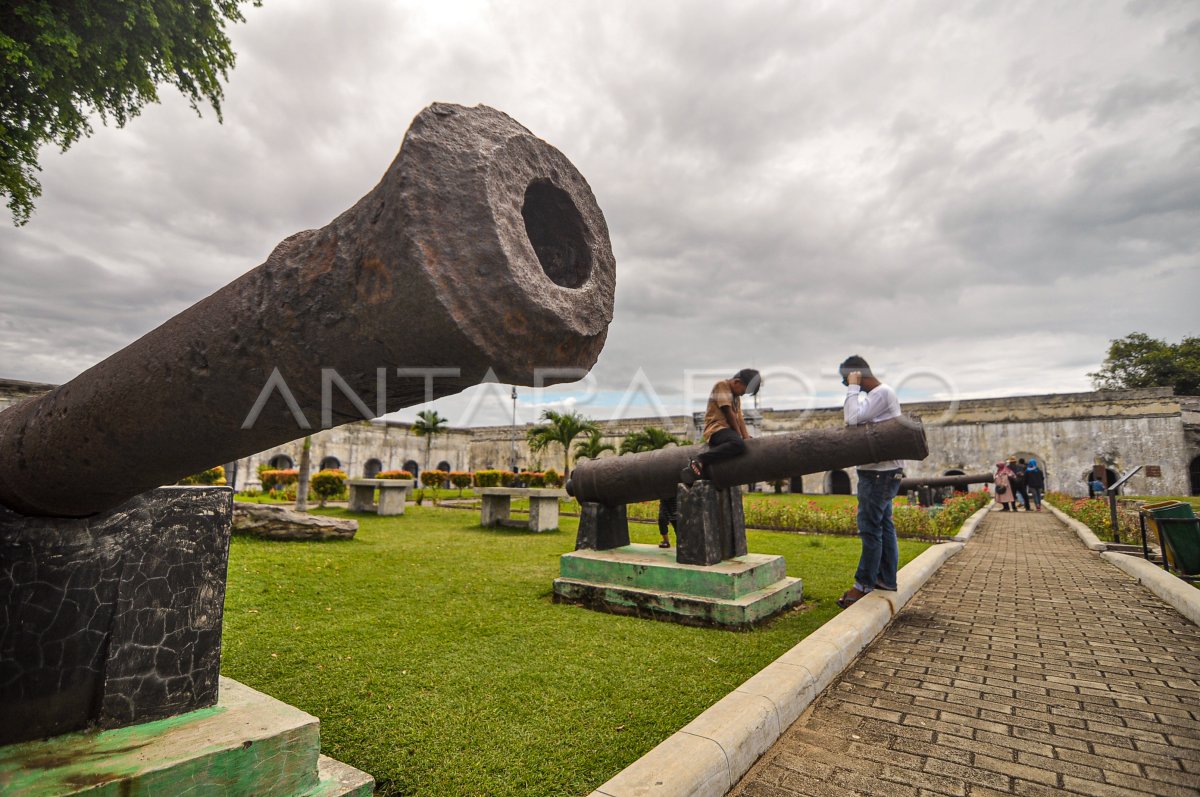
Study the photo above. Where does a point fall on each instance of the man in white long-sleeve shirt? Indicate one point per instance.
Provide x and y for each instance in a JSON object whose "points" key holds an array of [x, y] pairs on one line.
{"points": [[870, 401]]}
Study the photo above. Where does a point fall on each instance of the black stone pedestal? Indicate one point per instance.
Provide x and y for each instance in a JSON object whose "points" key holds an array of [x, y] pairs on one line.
{"points": [[712, 525], [602, 527], [115, 619]]}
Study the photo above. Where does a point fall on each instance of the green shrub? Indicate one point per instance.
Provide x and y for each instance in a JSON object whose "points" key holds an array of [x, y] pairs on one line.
{"points": [[328, 485], [1095, 514], [393, 474], [507, 478], [487, 478], [552, 478]]}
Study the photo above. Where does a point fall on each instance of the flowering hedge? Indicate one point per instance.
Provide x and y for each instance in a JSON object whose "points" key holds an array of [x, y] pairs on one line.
{"points": [[1095, 514], [434, 478], [393, 474], [552, 478], [461, 479], [277, 479], [911, 521]]}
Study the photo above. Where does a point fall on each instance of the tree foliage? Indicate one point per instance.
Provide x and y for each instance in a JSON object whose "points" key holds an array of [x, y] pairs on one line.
{"points": [[593, 446], [1138, 360], [63, 60], [651, 438], [429, 424], [561, 428]]}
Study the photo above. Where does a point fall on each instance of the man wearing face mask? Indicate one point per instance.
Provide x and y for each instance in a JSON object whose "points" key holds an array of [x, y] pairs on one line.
{"points": [[870, 401]]}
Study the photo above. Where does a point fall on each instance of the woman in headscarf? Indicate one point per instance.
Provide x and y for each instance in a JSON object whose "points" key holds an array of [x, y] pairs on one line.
{"points": [[1004, 490], [1035, 482]]}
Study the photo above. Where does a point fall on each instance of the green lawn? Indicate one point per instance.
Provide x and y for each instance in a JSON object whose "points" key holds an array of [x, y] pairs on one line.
{"points": [[822, 501], [431, 651]]}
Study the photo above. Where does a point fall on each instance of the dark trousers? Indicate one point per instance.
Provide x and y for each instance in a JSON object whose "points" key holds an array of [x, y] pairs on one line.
{"points": [[1020, 492], [668, 515], [724, 444]]}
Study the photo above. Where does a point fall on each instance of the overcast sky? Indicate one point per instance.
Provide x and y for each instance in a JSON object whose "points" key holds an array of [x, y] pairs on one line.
{"points": [[974, 196]]}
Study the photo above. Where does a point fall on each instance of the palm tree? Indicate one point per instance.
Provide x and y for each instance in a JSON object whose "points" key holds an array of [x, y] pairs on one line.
{"points": [[593, 447], [651, 438], [429, 424], [561, 428]]}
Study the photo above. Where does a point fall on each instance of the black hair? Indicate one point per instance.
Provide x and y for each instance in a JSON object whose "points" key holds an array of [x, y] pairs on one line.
{"points": [[853, 363], [750, 378]]}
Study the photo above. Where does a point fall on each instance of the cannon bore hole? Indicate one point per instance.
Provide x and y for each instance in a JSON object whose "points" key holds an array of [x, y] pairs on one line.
{"points": [[555, 229]]}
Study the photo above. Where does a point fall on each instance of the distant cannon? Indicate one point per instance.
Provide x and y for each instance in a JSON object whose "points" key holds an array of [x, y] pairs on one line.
{"points": [[930, 489], [960, 481], [481, 251]]}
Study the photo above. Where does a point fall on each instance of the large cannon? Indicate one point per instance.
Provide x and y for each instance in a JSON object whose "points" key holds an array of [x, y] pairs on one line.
{"points": [[713, 580], [481, 249], [605, 486], [480, 254], [655, 474]]}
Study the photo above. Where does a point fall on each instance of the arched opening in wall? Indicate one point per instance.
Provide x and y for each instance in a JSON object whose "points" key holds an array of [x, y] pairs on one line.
{"points": [[954, 472], [412, 467], [372, 468], [444, 465], [1194, 477], [281, 462], [796, 485], [837, 482], [1090, 475], [330, 463]]}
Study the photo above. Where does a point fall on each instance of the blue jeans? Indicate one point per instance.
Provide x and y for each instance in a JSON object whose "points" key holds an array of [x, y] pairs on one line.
{"points": [[880, 551]]}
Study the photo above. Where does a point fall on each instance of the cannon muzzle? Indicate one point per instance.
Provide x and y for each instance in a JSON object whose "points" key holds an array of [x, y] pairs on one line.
{"points": [[481, 252], [963, 480], [655, 474]]}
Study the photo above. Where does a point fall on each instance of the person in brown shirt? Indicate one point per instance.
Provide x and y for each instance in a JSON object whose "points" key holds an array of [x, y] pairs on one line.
{"points": [[724, 427]]}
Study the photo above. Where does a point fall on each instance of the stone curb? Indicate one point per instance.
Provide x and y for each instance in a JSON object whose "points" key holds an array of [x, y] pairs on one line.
{"points": [[968, 527], [709, 755], [1086, 535], [1177, 592]]}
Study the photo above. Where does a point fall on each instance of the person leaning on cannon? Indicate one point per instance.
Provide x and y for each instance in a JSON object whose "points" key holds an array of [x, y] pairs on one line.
{"points": [[870, 401], [724, 427]]}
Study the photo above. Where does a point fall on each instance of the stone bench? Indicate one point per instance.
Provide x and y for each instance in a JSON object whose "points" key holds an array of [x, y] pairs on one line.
{"points": [[543, 506], [393, 493]]}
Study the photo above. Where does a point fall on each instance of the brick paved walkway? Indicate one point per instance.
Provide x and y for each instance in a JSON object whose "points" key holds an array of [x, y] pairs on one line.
{"points": [[1027, 666]]}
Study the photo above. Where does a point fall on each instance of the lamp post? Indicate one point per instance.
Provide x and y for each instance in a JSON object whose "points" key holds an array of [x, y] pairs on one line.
{"points": [[513, 461]]}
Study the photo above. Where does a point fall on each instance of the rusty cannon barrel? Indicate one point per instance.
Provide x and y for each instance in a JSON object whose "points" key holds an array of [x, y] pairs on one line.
{"points": [[962, 480], [655, 474], [481, 253]]}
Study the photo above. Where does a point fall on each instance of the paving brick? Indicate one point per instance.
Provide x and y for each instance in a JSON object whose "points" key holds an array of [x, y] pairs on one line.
{"points": [[1025, 666]]}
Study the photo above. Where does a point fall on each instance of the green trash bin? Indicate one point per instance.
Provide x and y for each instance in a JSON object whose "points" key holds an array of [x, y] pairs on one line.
{"points": [[1179, 534]]}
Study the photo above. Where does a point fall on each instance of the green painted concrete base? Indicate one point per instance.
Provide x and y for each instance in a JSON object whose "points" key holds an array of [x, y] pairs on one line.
{"points": [[248, 744], [646, 581]]}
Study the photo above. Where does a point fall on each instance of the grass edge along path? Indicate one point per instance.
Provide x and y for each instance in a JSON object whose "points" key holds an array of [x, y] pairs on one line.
{"points": [[431, 651]]}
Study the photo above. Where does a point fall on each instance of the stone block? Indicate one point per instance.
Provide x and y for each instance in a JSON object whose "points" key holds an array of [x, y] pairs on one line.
{"points": [[602, 527], [712, 524], [543, 513], [495, 509], [114, 619]]}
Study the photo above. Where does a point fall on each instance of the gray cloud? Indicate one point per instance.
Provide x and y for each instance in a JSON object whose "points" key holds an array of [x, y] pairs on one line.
{"points": [[991, 192]]}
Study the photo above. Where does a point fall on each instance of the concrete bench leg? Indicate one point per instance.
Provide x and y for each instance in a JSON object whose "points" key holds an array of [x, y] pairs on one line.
{"points": [[392, 499], [495, 509], [362, 498], [543, 514]]}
